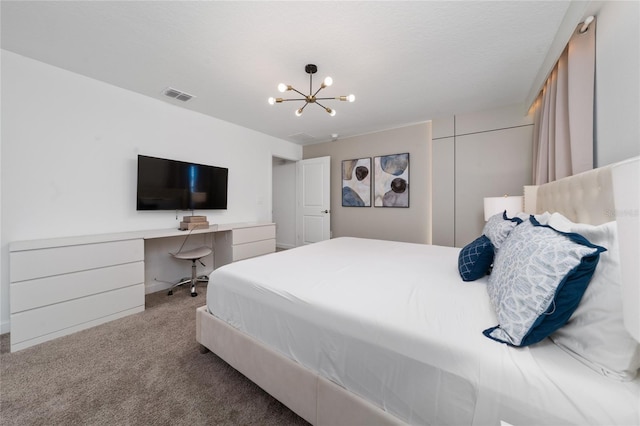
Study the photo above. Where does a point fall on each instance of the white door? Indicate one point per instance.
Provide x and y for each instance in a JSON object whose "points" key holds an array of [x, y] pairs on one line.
{"points": [[313, 214]]}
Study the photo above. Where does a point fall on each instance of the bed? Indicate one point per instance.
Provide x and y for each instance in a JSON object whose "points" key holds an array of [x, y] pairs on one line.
{"points": [[359, 332]]}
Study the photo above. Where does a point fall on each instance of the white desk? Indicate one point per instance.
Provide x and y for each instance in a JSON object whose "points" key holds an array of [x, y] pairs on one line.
{"points": [[229, 242], [63, 285]]}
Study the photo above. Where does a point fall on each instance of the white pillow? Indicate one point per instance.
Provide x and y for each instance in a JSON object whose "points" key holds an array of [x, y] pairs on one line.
{"points": [[595, 333]]}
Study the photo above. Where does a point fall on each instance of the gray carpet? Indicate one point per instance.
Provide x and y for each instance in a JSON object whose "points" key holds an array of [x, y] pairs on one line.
{"points": [[145, 369]]}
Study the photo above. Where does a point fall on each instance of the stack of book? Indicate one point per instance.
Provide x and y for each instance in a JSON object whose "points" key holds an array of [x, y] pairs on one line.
{"points": [[194, 222]]}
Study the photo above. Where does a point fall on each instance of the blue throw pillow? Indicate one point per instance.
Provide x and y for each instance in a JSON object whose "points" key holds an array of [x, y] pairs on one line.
{"points": [[538, 278], [475, 259]]}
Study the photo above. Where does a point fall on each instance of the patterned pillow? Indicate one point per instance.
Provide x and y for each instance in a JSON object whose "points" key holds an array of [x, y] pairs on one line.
{"points": [[475, 259], [542, 218], [538, 279], [498, 227]]}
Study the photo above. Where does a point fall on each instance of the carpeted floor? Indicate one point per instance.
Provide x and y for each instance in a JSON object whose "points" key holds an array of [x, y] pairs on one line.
{"points": [[145, 369]]}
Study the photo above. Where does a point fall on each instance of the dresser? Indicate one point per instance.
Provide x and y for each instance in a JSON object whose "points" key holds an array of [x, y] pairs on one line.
{"points": [[64, 285]]}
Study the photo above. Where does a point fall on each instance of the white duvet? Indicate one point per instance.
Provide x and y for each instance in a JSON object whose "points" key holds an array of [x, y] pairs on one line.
{"points": [[394, 323]]}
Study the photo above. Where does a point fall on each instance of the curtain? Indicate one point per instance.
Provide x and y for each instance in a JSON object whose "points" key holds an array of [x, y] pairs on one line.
{"points": [[564, 112]]}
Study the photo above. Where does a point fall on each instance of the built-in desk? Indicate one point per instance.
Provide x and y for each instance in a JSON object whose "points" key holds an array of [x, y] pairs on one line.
{"points": [[63, 285]]}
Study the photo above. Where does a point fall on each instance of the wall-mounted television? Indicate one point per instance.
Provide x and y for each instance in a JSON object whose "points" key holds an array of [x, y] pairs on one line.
{"points": [[177, 185]]}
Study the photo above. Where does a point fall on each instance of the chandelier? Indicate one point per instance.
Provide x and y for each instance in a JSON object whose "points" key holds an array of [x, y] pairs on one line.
{"points": [[311, 98]]}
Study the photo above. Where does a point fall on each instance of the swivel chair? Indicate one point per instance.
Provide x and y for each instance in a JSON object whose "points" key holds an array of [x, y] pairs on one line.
{"points": [[194, 255]]}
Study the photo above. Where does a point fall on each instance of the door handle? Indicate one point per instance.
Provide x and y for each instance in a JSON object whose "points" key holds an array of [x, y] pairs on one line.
{"points": [[324, 211]]}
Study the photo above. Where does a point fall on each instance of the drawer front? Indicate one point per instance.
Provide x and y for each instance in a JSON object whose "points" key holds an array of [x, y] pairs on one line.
{"points": [[254, 233], [50, 290], [245, 251], [31, 264], [52, 319]]}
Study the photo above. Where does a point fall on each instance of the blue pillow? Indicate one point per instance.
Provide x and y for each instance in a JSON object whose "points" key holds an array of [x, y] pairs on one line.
{"points": [[498, 227], [475, 259], [538, 278]]}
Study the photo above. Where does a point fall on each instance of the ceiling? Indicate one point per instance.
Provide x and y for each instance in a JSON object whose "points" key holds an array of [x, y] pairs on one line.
{"points": [[405, 61]]}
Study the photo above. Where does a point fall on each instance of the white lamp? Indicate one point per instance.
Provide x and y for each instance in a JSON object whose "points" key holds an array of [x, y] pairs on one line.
{"points": [[530, 199], [626, 187], [495, 205]]}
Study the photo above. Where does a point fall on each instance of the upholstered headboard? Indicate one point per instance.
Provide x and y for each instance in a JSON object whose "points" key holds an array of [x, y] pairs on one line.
{"points": [[585, 198]]}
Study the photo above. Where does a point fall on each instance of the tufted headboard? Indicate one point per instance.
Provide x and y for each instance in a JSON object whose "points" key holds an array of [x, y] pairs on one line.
{"points": [[585, 198]]}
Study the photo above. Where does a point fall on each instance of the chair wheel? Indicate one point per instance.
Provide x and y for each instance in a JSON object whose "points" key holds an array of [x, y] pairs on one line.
{"points": [[194, 294], [170, 293]]}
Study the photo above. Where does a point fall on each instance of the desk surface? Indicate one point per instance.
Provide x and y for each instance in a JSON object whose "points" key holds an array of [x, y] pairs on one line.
{"points": [[145, 234]]}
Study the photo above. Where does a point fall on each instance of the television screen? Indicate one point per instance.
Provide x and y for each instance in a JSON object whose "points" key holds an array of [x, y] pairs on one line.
{"points": [[176, 185]]}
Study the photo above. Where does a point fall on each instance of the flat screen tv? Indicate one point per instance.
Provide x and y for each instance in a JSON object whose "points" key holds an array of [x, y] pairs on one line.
{"points": [[176, 185]]}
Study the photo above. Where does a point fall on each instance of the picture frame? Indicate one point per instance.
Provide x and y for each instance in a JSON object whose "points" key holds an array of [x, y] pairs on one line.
{"points": [[391, 180], [356, 182]]}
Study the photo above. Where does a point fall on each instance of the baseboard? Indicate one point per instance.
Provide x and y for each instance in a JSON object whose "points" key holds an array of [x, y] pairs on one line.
{"points": [[284, 246], [5, 327], [154, 286]]}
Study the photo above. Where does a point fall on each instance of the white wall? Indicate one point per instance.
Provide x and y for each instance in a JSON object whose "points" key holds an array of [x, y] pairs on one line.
{"points": [[617, 82], [69, 151]]}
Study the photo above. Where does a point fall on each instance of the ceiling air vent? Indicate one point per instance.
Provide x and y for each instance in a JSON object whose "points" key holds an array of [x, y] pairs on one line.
{"points": [[177, 94], [302, 138]]}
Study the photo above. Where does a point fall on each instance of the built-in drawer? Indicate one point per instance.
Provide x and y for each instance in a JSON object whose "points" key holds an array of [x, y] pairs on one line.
{"points": [[39, 325], [257, 248], [39, 292], [253, 233], [39, 263]]}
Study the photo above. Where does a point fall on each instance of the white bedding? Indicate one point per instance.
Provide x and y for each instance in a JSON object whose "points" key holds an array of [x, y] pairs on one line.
{"points": [[394, 323]]}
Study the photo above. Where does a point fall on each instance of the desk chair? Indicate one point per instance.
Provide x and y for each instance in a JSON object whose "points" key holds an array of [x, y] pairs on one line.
{"points": [[194, 255]]}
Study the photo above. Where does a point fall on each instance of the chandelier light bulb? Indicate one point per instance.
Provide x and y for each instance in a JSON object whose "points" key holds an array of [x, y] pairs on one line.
{"points": [[351, 97], [331, 112], [298, 112], [328, 81], [272, 101], [282, 87]]}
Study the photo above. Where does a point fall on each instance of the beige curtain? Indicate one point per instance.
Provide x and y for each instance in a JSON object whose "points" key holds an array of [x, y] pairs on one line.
{"points": [[563, 118]]}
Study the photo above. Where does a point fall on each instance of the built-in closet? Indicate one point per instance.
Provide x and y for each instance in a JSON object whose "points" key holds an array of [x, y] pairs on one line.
{"points": [[476, 155]]}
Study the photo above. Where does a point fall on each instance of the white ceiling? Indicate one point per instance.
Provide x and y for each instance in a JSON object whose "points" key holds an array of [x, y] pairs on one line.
{"points": [[406, 61]]}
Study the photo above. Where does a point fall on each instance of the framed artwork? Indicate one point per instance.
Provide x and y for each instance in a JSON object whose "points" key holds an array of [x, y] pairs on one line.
{"points": [[356, 183], [391, 180]]}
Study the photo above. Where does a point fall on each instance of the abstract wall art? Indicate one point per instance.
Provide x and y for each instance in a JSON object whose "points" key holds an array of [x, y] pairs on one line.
{"points": [[391, 180], [356, 183]]}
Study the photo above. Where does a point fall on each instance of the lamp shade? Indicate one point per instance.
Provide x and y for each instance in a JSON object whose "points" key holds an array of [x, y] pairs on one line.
{"points": [[626, 187], [495, 205], [530, 199]]}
